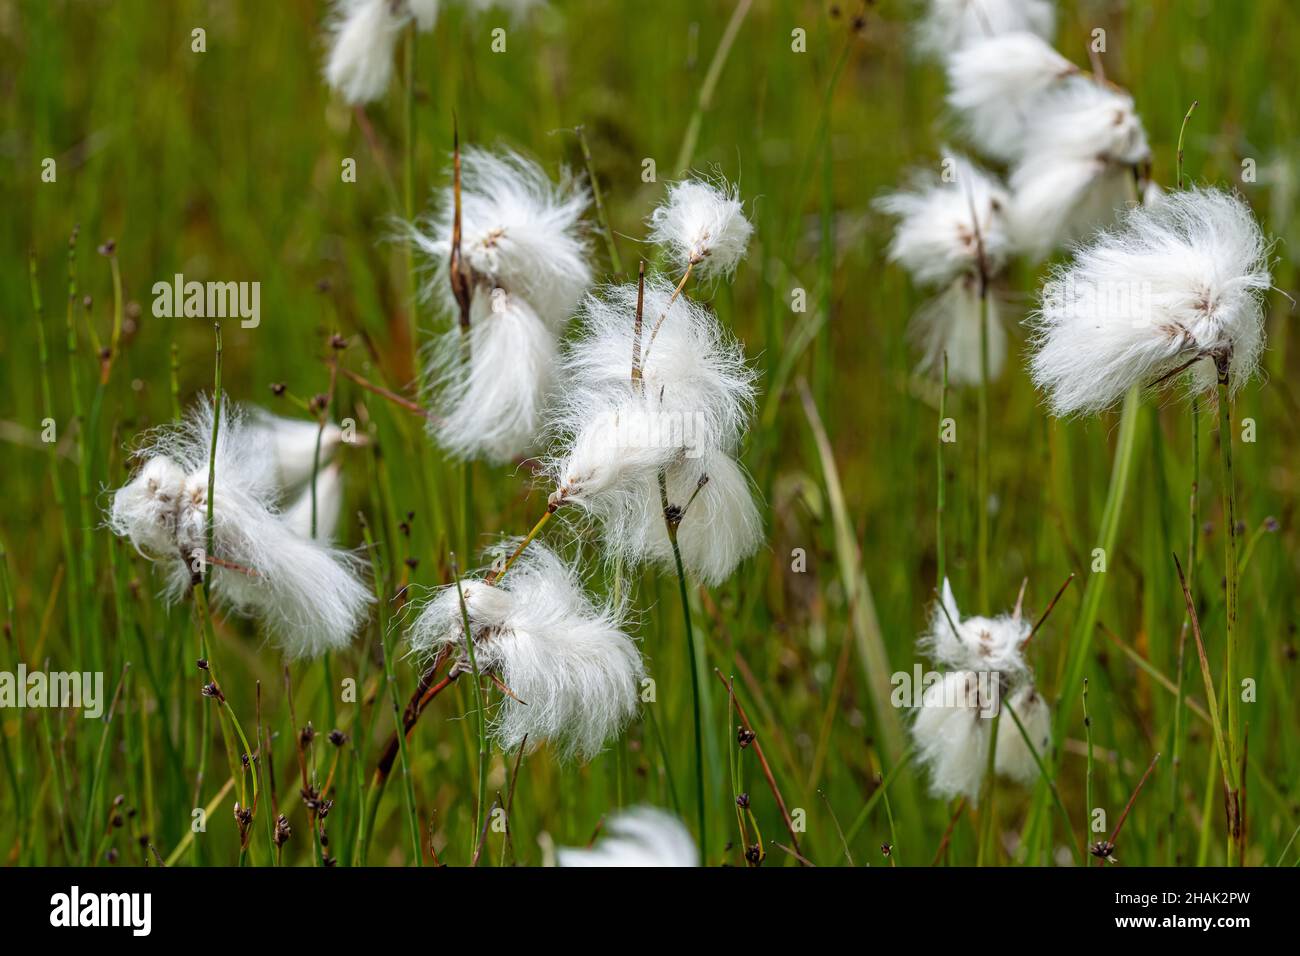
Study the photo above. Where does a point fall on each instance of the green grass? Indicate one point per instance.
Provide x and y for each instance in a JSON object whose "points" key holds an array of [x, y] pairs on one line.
{"points": [[226, 165]]}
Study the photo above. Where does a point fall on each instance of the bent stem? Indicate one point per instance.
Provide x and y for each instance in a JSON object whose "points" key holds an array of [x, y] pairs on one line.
{"points": [[671, 524]]}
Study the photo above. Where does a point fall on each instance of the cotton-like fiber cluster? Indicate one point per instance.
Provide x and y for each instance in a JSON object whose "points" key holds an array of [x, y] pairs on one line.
{"points": [[639, 836]]}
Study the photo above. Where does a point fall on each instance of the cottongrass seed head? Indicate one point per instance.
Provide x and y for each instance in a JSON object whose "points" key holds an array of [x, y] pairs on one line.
{"points": [[1074, 172], [574, 671], [703, 227], [977, 643], [1180, 280], [950, 25], [309, 596], [953, 233], [638, 836], [951, 735], [520, 231], [362, 34], [993, 83], [684, 418], [1014, 759]]}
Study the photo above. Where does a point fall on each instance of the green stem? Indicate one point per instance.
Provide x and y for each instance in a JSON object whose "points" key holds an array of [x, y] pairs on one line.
{"points": [[939, 480], [982, 461], [1232, 690], [212, 459]]}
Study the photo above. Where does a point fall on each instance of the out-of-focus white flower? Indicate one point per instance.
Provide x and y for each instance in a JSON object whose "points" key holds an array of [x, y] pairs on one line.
{"points": [[309, 596], [640, 836], [953, 232], [1171, 284], [520, 232], [1074, 171], [950, 323], [950, 25], [993, 83], [977, 643], [702, 226], [514, 8], [1014, 759], [490, 406], [362, 36], [946, 224], [573, 672], [293, 445]]}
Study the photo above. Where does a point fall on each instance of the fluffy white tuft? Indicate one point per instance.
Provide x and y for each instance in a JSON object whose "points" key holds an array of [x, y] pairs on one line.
{"points": [[1014, 759], [293, 445], [310, 597], [977, 643], [950, 25], [574, 670], [952, 735], [1073, 171], [491, 405], [362, 36], [425, 13], [702, 226], [1179, 280], [639, 836], [520, 232], [993, 84], [945, 224]]}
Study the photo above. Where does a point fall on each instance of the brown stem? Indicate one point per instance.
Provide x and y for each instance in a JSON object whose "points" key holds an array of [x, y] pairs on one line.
{"points": [[1048, 611]]}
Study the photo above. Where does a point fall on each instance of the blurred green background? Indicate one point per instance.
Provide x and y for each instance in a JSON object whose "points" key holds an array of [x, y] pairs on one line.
{"points": [[226, 165]]}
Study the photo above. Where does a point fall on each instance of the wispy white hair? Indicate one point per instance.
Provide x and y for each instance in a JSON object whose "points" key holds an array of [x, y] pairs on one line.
{"points": [[1014, 759], [1079, 153], [976, 643], [520, 231], [575, 672], [309, 596], [949, 25], [1182, 279], [515, 8], [639, 836], [945, 223], [950, 323], [993, 83], [702, 225], [490, 406], [951, 734], [362, 36]]}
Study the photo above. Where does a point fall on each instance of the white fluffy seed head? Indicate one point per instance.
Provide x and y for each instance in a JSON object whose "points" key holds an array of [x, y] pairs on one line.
{"points": [[951, 732], [719, 528], [362, 36], [1171, 282], [639, 836], [950, 323], [144, 510], [1074, 169], [491, 406], [310, 597], [950, 25], [575, 672], [702, 225], [696, 392], [993, 83], [520, 231], [1014, 759], [976, 643], [945, 224]]}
